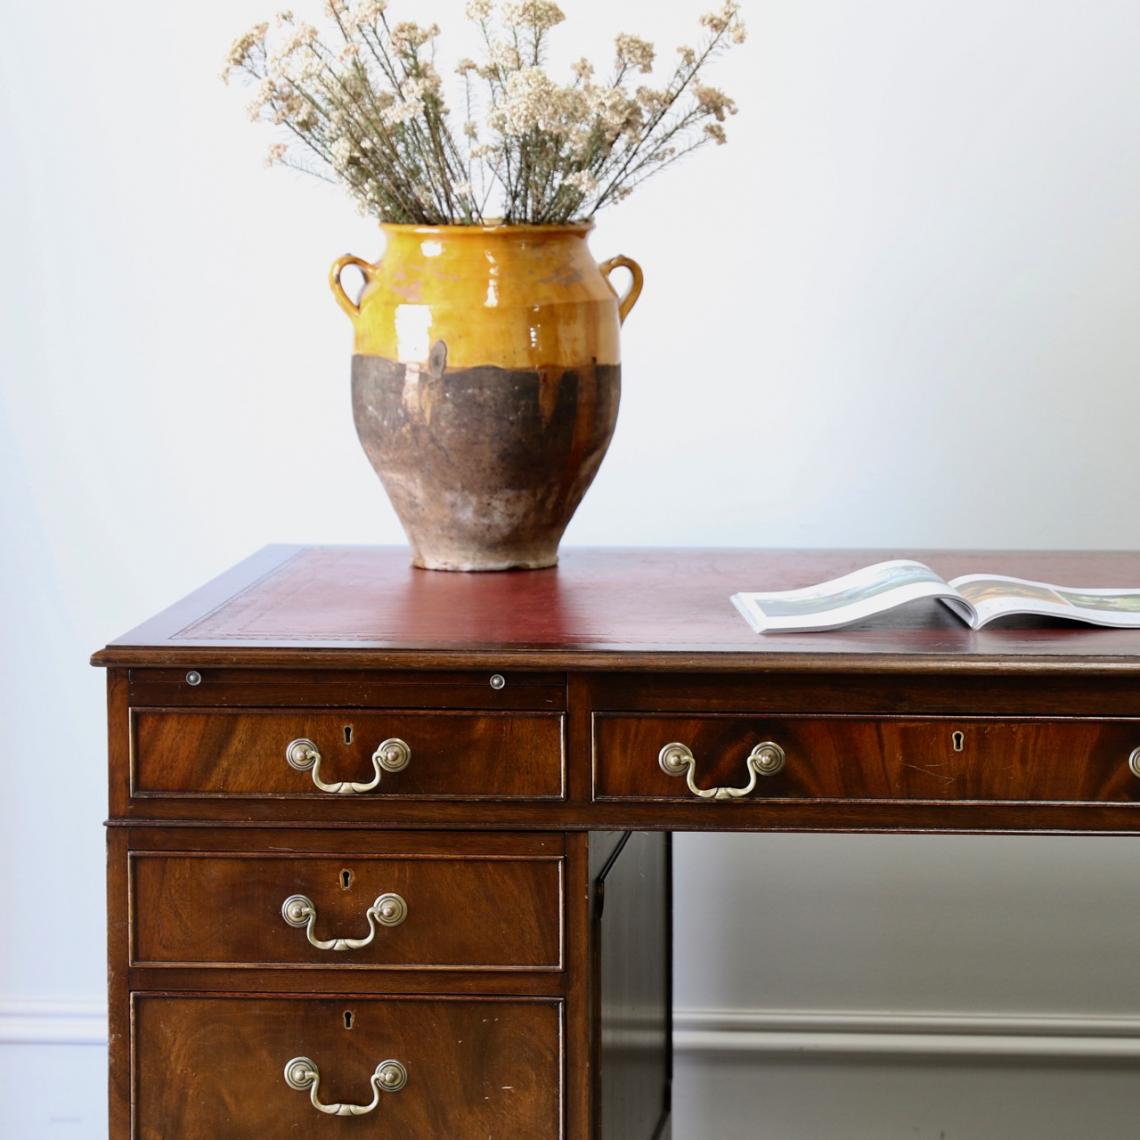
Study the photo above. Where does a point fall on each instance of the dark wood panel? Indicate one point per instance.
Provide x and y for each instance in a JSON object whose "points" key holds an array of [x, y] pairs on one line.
{"points": [[851, 758], [1070, 694], [289, 983], [474, 913], [344, 841], [346, 688], [663, 815], [632, 953], [666, 610], [223, 752], [210, 1067]]}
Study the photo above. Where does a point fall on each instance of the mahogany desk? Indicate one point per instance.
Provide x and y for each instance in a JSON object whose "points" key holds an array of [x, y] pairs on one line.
{"points": [[396, 843]]}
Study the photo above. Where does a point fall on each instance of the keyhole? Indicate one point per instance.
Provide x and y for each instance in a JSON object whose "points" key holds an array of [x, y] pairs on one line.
{"points": [[348, 1019], [348, 734], [345, 880], [959, 741]]}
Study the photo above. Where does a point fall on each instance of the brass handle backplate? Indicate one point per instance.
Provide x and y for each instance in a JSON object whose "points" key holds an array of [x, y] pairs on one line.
{"points": [[765, 759], [1134, 763], [303, 1074], [388, 910], [393, 755]]}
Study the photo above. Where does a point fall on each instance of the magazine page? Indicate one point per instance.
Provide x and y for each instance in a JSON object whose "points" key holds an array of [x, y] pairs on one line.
{"points": [[846, 600], [995, 595]]}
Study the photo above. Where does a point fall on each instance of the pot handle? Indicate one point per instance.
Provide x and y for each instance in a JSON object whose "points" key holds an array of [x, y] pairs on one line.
{"points": [[626, 303], [342, 298]]}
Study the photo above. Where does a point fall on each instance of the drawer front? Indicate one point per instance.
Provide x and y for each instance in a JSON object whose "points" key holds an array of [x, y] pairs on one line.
{"points": [[852, 758], [302, 754], [206, 1068], [363, 911]]}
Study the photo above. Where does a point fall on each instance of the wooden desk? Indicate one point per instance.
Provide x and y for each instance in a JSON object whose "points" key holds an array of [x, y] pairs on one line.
{"points": [[409, 831]]}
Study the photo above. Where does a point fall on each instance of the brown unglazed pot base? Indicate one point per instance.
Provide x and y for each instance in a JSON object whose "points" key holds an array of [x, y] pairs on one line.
{"points": [[485, 466]]}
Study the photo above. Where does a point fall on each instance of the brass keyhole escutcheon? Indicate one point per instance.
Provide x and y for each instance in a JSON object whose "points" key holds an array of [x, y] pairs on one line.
{"points": [[958, 739]]}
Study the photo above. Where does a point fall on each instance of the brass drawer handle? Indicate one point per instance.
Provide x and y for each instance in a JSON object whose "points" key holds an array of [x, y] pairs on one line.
{"points": [[1134, 762], [302, 1074], [393, 755], [765, 759], [388, 910]]}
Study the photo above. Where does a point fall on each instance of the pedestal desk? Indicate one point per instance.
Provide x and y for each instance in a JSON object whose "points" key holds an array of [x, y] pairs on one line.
{"points": [[394, 844]]}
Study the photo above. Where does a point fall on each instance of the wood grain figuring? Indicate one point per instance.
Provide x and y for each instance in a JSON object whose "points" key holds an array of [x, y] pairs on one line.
{"points": [[883, 758], [211, 1067], [661, 609], [228, 753], [528, 990], [489, 914]]}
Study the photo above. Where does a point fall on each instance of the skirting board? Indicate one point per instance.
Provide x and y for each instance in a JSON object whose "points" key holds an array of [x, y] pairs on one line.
{"points": [[53, 1023], [924, 1035], [787, 1032]]}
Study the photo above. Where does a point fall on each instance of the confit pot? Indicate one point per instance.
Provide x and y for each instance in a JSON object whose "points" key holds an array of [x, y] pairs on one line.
{"points": [[486, 376]]}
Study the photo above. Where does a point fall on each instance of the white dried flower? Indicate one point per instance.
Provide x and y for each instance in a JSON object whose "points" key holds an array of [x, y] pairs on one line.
{"points": [[532, 101], [367, 12], [573, 141], [719, 22], [420, 88], [714, 102], [480, 10], [616, 111], [635, 52], [242, 48], [582, 181], [276, 154], [583, 69], [541, 15], [302, 38], [408, 37], [401, 112], [504, 57]]}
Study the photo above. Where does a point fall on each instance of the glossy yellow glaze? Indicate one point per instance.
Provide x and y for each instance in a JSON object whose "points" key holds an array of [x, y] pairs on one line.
{"points": [[517, 297]]}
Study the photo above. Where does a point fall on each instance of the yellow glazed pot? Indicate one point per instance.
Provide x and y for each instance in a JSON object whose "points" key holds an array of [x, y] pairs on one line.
{"points": [[485, 384]]}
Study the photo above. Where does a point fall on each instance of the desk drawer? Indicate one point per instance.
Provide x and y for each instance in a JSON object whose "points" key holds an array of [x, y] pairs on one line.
{"points": [[206, 1068], [853, 758], [474, 912], [438, 755]]}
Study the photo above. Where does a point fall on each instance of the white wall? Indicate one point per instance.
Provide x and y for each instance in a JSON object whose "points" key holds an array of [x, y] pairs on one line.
{"points": [[898, 309]]}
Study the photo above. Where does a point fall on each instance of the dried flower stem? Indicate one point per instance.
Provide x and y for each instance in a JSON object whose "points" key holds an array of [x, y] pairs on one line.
{"points": [[364, 99]]}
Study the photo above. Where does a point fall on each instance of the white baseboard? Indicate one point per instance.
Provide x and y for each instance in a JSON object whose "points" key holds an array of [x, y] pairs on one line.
{"points": [[703, 1031], [905, 1035], [52, 1023]]}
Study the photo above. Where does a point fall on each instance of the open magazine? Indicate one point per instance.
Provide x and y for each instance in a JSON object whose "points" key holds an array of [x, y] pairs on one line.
{"points": [[977, 599]]}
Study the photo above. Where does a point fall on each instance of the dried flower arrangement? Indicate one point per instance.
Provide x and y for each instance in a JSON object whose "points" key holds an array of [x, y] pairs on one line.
{"points": [[364, 104]]}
